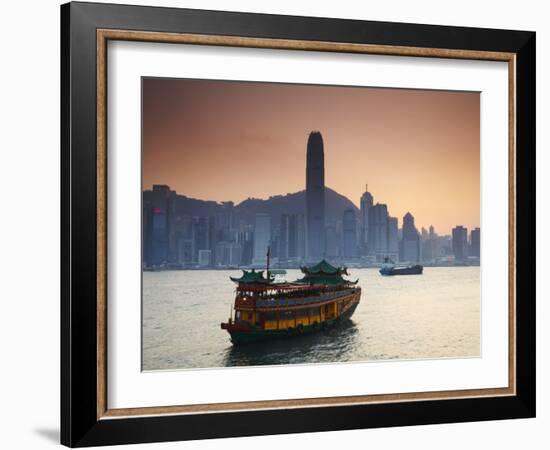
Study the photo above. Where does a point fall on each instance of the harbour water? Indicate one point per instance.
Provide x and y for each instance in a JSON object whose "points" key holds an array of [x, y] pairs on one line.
{"points": [[434, 315]]}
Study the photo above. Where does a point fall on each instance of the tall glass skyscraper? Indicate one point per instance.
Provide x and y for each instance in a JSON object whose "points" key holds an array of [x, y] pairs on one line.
{"points": [[474, 242], [460, 243], [315, 197], [410, 244], [367, 202], [350, 233]]}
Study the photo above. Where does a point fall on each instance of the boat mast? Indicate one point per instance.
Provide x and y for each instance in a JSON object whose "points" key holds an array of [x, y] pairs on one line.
{"points": [[267, 268]]}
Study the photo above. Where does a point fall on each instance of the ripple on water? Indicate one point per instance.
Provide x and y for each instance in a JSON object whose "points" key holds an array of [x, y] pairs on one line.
{"points": [[398, 317]]}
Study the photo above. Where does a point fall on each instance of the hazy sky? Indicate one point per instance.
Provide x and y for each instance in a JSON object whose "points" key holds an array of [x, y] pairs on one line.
{"points": [[219, 140]]}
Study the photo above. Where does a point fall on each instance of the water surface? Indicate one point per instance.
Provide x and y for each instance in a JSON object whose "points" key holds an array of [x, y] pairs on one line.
{"points": [[434, 315]]}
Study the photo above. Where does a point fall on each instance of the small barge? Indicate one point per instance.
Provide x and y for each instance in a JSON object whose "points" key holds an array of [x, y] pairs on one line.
{"points": [[389, 268], [265, 309]]}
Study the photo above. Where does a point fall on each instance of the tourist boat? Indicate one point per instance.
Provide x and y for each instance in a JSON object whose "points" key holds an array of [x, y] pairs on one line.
{"points": [[389, 268], [266, 309]]}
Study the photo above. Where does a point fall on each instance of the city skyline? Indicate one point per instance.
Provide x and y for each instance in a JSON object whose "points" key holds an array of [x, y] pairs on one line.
{"points": [[189, 233], [417, 150]]}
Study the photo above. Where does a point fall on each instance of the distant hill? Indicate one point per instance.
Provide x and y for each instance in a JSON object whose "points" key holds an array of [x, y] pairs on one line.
{"points": [[294, 203]]}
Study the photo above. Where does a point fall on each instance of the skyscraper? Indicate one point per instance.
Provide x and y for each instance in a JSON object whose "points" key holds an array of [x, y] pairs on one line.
{"points": [[212, 239], [182, 231], [393, 240], [460, 243], [158, 226], [147, 224], [366, 203], [378, 231], [201, 238], [315, 196], [331, 242], [291, 237], [474, 242], [425, 234], [262, 238], [245, 237], [410, 243], [350, 233], [430, 247]]}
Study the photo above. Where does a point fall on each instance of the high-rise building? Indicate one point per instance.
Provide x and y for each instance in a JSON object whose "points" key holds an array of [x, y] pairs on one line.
{"points": [[378, 231], [291, 237], [219, 253], [393, 240], [201, 238], [474, 242], [181, 232], [185, 251], [424, 234], [158, 227], [410, 242], [245, 237], [147, 227], [445, 245], [204, 258], [366, 203], [225, 218], [315, 197], [262, 239], [213, 238], [430, 246], [350, 233], [228, 254], [331, 239], [460, 243]]}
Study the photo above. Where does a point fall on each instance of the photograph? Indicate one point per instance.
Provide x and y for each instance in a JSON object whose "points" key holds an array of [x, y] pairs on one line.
{"points": [[271, 225], [302, 224]]}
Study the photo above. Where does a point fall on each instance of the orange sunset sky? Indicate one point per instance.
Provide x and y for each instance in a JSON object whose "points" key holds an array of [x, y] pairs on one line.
{"points": [[418, 150]]}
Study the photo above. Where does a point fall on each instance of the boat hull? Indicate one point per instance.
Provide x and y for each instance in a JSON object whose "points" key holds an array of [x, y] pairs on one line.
{"points": [[258, 335], [412, 270]]}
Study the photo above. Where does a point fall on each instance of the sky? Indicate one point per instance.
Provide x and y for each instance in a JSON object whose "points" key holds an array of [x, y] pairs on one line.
{"points": [[418, 150]]}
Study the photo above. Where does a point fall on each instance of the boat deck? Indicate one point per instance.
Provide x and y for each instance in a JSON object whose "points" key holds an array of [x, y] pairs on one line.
{"points": [[322, 298]]}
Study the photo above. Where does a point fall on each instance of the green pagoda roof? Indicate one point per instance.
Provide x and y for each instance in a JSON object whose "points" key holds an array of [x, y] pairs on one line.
{"points": [[325, 280], [324, 268], [324, 273], [253, 277]]}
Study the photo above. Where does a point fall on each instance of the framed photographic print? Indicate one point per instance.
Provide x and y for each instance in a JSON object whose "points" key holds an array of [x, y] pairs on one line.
{"points": [[276, 224]]}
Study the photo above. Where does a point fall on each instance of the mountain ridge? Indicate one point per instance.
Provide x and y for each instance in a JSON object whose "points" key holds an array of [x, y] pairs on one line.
{"points": [[291, 203]]}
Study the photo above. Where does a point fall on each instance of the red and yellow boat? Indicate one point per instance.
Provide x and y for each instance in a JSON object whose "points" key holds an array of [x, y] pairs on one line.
{"points": [[266, 309]]}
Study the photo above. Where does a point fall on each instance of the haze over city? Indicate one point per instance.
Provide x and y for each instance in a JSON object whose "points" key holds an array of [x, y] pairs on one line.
{"points": [[227, 141]]}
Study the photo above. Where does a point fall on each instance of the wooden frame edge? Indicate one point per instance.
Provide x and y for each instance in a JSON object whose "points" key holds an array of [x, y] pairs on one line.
{"points": [[103, 35], [303, 403], [512, 328], [101, 223]]}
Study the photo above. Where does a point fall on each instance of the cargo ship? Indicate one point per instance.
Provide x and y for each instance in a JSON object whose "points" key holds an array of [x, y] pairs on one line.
{"points": [[266, 309], [390, 268]]}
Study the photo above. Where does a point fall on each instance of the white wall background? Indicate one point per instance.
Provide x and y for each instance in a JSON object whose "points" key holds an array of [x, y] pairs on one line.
{"points": [[29, 224]]}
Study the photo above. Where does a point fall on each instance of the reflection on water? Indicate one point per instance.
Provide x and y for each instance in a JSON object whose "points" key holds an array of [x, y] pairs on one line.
{"points": [[428, 316], [325, 346]]}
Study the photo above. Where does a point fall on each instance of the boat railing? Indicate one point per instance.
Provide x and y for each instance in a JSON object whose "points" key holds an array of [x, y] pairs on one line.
{"points": [[267, 302]]}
